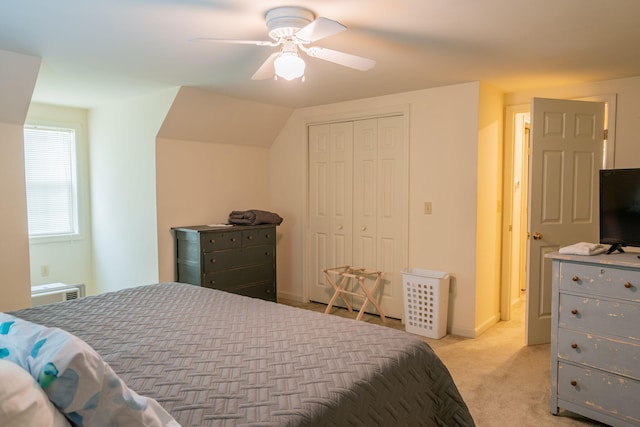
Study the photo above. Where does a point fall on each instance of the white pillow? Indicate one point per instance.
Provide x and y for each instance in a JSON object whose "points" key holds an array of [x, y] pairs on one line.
{"points": [[75, 378], [23, 402]]}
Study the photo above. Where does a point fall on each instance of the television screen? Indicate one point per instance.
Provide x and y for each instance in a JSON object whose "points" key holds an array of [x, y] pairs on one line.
{"points": [[620, 208]]}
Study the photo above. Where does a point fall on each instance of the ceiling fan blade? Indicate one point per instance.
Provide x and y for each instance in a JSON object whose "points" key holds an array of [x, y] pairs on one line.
{"points": [[267, 69], [319, 29], [252, 42], [342, 58]]}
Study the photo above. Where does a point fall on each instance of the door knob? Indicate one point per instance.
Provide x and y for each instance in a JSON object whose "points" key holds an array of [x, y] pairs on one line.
{"points": [[364, 228], [537, 236], [340, 227]]}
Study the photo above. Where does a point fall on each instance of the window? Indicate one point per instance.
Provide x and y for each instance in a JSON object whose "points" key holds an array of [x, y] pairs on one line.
{"points": [[50, 172]]}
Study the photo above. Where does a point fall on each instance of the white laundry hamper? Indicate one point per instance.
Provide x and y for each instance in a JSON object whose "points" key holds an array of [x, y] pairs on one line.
{"points": [[426, 302]]}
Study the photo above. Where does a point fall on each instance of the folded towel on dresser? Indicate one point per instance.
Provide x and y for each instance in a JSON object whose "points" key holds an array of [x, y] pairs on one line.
{"points": [[254, 217], [583, 248]]}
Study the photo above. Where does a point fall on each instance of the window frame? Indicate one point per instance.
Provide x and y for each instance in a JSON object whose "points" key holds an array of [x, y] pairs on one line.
{"points": [[80, 176]]}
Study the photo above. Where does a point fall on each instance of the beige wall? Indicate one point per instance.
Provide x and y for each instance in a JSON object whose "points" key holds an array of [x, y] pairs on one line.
{"points": [[15, 285], [488, 244], [123, 190], [443, 169], [200, 183], [212, 157], [17, 79]]}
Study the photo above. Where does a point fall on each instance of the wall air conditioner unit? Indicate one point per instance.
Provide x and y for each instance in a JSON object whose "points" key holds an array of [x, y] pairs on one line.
{"points": [[55, 292]]}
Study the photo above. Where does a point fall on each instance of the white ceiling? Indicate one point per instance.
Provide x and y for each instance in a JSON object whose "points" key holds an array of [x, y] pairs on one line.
{"points": [[96, 51]]}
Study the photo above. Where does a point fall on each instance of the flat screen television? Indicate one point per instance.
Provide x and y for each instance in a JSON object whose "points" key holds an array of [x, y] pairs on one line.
{"points": [[620, 208]]}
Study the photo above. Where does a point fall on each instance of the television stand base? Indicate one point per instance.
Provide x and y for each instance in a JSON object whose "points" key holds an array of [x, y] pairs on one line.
{"points": [[616, 247]]}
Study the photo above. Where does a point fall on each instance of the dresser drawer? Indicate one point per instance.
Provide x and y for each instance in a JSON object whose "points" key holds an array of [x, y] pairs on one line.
{"points": [[607, 353], [613, 282], [224, 260], [221, 240], [599, 316], [596, 390], [265, 291], [229, 279], [258, 237]]}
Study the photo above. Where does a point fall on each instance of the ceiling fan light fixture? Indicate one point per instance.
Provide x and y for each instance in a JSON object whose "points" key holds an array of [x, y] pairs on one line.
{"points": [[289, 66]]}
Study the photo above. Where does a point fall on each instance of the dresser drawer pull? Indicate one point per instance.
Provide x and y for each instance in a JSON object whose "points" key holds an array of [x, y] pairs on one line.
{"points": [[574, 311], [233, 239], [212, 260], [250, 237], [212, 241], [628, 285], [575, 278], [574, 346], [574, 383]]}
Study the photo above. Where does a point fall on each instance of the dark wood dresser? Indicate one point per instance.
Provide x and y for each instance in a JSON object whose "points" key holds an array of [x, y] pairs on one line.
{"points": [[240, 259]]}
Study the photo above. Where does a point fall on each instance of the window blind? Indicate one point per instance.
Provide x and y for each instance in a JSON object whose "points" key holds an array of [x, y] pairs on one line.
{"points": [[50, 174]]}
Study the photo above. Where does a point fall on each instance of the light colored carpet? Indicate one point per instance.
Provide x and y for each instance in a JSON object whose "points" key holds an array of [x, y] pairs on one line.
{"points": [[504, 382]]}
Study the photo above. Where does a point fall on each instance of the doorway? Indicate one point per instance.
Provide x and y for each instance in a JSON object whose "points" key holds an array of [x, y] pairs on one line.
{"points": [[515, 196], [515, 193], [520, 187]]}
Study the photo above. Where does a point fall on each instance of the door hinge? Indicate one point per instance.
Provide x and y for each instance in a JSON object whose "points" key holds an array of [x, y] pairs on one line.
{"points": [[606, 134]]}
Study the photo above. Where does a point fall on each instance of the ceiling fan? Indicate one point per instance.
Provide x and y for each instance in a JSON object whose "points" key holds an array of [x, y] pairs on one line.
{"points": [[294, 28]]}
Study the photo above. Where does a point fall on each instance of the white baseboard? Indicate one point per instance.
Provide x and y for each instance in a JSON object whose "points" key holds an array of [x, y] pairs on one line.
{"points": [[291, 297]]}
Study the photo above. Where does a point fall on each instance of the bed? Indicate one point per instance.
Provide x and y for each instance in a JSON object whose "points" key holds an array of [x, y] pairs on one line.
{"points": [[212, 358]]}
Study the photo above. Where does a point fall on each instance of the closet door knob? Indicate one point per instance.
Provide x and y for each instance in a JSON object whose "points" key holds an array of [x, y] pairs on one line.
{"points": [[574, 383], [574, 311], [575, 278], [574, 346], [364, 228], [628, 285], [340, 227]]}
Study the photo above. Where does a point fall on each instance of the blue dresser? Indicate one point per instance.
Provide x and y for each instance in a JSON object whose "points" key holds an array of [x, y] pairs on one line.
{"points": [[595, 337]]}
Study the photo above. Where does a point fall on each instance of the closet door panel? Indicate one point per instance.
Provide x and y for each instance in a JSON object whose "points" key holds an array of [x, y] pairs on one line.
{"points": [[330, 206], [341, 184], [319, 165], [365, 193], [392, 179]]}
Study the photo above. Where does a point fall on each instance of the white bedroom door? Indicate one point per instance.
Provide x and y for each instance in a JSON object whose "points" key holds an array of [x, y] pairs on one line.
{"points": [[369, 184], [566, 153]]}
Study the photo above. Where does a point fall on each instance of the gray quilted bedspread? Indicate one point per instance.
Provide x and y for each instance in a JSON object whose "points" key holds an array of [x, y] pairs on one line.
{"points": [[217, 359]]}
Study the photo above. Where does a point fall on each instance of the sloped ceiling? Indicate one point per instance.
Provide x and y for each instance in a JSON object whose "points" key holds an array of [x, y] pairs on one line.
{"points": [[99, 50], [200, 115], [18, 75]]}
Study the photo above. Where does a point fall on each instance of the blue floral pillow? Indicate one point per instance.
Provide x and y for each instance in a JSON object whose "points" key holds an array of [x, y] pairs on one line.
{"points": [[75, 378]]}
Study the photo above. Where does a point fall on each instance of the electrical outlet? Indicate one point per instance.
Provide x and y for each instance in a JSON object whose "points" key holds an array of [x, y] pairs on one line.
{"points": [[44, 270], [427, 208]]}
